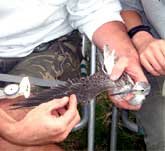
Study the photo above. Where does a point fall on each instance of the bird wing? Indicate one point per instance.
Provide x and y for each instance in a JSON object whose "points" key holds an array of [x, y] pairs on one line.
{"points": [[46, 95]]}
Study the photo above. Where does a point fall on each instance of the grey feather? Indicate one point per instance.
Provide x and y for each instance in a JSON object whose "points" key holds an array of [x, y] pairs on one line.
{"points": [[85, 88]]}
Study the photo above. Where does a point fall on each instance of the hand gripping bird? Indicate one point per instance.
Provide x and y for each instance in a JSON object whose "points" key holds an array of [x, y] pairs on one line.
{"points": [[86, 88]]}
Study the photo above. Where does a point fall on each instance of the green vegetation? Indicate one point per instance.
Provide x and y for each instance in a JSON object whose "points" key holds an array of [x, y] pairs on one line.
{"points": [[126, 140]]}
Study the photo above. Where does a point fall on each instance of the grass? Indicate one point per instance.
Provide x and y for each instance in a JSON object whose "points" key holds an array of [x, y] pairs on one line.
{"points": [[126, 140]]}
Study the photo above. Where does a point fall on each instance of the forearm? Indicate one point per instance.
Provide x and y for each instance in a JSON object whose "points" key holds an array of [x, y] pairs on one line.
{"points": [[6, 124], [133, 19], [10, 127], [115, 35], [150, 49]]}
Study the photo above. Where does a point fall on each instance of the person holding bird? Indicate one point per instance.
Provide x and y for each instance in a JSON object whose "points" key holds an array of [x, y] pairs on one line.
{"points": [[40, 39]]}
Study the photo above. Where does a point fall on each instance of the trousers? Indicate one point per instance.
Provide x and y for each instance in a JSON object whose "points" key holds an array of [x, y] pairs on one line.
{"points": [[152, 115], [57, 59]]}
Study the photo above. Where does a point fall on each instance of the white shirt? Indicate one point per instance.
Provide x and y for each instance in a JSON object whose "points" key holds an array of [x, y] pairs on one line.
{"points": [[24, 24]]}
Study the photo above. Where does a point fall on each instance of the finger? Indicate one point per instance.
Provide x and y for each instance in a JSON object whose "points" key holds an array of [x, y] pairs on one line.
{"points": [[55, 104], [74, 121], [162, 45], [71, 111], [163, 51], [125, 105], [61, 111], [55, 113], [149, 67], [137, 74], [153, 60], [160, 58], [62, 136], [123, 102], [6, 116], [119, 68]]}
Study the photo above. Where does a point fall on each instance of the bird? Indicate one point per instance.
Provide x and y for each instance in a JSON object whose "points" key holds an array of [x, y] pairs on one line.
{"points": [[87, 88]]}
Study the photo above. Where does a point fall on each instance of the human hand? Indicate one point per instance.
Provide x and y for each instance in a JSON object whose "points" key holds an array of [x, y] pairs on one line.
{"points": [[151, 52], [114, 34], [48, 123], [130, 65]]}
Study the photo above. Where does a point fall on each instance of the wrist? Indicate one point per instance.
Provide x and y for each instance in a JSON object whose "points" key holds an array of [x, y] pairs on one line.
{"points": [[109, 33], [115, 35], [10, 132], [139, 35], [141, 38], [133, 31], [14, 133], [6, 123]]}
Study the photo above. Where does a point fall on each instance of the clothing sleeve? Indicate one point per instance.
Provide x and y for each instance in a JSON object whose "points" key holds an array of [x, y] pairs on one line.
{"points": [[89, 15], [132, 5], [137, 6]]}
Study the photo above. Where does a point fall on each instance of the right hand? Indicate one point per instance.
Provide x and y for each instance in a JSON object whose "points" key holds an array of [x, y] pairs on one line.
{"points": [[48, 123], [151, 52]]}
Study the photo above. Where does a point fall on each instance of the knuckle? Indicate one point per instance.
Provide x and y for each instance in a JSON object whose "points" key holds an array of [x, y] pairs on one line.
{"points": [[42, 105], [74, 112], [59, 140], [61, 127], [153, 43], [150, 47], [78, 117], [154, 73], [142, 57], [63, 137], [159, 69], [162, 41]]}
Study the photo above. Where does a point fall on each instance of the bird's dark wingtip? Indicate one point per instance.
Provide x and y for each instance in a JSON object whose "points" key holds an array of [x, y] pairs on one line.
{"points": [[23, 104]]}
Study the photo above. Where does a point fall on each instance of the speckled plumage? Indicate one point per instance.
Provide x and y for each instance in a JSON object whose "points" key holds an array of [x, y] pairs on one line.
{"points": [[85, 89]]}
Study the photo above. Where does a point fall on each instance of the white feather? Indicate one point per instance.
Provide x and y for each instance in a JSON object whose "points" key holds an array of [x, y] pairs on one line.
{"points": [[109, 59]]}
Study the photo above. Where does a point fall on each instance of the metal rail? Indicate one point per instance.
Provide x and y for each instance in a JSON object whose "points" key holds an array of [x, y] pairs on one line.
{"points": [[91, 123]]}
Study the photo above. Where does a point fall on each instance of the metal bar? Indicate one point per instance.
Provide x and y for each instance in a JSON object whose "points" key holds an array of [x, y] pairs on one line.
{"points": [[83, 49], [113, 139], [127, 123], [91, 123], [84, 118], [84, 108]]}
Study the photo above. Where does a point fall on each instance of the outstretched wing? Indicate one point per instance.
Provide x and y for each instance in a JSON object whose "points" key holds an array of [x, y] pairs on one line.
{"points": [[46, 95], [84, 88]]}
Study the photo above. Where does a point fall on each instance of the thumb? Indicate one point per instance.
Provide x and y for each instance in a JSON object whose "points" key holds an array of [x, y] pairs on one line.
{"points": [[137, 74], [119, 68], [56, 103]]}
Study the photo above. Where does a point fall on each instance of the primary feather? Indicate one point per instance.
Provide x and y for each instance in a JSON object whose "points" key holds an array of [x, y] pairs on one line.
{"points": [[85, 89]]}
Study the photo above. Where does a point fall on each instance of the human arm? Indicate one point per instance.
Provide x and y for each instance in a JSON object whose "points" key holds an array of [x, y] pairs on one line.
{"points": [[151, 50], [102, 23], [114, 34], [48, 123]]}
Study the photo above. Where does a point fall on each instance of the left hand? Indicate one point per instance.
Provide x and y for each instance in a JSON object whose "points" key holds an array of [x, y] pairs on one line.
{"points": [[131, 66], [151, 52], [49, 122], [114, 34]]}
